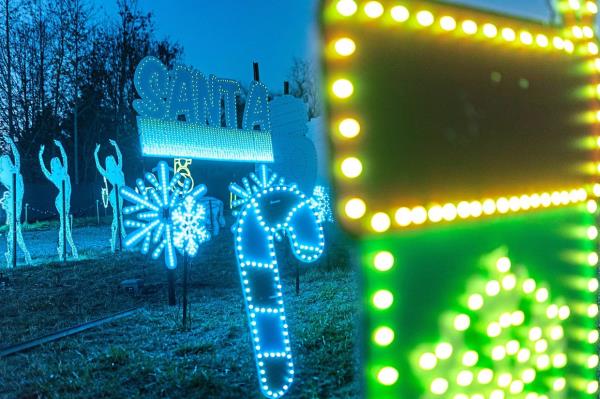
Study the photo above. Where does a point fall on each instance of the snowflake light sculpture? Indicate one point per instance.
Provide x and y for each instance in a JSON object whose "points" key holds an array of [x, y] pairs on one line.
{"points": [[159, 210], [322, 201], [189, 226]]}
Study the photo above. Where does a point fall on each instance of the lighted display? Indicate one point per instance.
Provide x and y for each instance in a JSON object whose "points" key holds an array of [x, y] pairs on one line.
{"points": [[271, 209], [113, 173], [185, 114], [165, 217], [162, 138], [522, 327], [12, 200], [59, 176], [457, 132], [322, 200]]}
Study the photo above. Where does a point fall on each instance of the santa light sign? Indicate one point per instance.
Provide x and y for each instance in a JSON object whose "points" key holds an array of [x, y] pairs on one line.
{"points": [[183, 113]]}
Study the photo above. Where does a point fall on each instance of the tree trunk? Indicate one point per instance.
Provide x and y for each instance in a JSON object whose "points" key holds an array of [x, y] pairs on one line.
{"points": [[11, 130]]}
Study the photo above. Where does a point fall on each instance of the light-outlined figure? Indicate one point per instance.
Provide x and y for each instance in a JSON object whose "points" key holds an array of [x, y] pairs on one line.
{"points": [[59, 176], [270, 208], [115, 176], [10, 172]]}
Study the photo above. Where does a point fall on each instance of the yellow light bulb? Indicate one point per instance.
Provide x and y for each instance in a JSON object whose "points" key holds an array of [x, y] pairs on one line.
{"points": [[569, 46], [387, 376], [485, 376], [503, 264], [593, 48], [463, 209], [400, 13], [349, 128], [462, 322], [558, 43], [351, 167], [490, 30], [383, 336], [592, 387], [444, 350], [469, 27], [509, 34], [449, 212], [448, 23], [434, 214], [425, 18], [526, 38], [373, 9], [355, 208], [383, 299], [342, 88], [383, 261], [593, 284], [427, 361], [489, 206], [439, 386], [403, 217], [419, 215], [346, 8], [542, 40], [380, 222], [574, 4], [475, 302], [345, 46]]}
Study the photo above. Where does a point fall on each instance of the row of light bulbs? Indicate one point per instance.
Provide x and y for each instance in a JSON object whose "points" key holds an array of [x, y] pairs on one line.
{"points": [[351, 167], [426, 19], [356, 208]]}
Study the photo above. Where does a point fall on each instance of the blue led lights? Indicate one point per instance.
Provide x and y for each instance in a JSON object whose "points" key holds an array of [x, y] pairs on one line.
{"points": [[269, 207], [161, 138], [165, 216], [209, 108]]}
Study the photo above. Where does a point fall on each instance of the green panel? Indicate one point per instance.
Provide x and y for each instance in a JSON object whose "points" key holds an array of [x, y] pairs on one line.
{"points": [[436, 269]]}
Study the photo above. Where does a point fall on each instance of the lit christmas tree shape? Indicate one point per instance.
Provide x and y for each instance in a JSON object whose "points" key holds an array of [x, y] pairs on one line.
{"points": [[269, 207], [165, 216], [507, 340]]}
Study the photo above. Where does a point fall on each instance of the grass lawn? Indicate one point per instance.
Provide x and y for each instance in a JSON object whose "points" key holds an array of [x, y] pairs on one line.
{"points": [[149, 354]]}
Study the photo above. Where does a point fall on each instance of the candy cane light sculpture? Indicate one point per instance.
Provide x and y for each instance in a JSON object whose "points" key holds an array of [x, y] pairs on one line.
{"points": [[270, 207]]}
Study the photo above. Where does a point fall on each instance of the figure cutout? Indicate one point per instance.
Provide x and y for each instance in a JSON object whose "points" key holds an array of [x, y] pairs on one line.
{"points": [[7, 169], [58, 174], [114, 174]]}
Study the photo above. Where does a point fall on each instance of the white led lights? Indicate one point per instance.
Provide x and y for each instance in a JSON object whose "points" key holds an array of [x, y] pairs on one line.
{"points": [[159, 138], [164, 215]]}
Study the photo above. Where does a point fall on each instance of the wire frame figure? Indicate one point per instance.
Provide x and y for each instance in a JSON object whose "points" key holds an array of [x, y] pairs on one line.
{"points": [[59, 176], [8, 168], [114, 174]]}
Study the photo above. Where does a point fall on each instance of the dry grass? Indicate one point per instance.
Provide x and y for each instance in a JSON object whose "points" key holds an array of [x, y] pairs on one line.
{"points": [[149, 355]]}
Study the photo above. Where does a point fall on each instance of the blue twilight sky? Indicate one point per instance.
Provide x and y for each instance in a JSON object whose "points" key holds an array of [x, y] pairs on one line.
{"points": [[224, 37]]}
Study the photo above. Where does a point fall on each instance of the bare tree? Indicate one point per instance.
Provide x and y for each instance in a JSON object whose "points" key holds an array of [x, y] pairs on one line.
{"points": [[7, 51], [304, 84]]}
